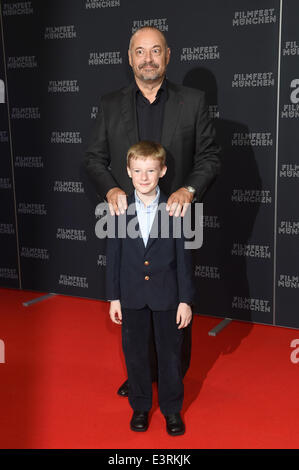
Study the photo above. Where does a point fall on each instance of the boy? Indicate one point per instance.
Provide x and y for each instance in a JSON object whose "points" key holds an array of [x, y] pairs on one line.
{"points": [[149, 284]]}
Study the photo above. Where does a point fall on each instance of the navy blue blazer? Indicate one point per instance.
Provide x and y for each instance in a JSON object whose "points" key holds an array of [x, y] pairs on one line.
{"points": [[159, 275]]}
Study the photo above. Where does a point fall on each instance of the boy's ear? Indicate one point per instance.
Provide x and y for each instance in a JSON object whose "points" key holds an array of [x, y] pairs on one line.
{"points": [[163, 171], [129, 172]]}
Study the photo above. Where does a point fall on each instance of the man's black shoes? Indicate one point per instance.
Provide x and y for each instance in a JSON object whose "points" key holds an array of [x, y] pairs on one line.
{"points": [[123, 390], [139, 421], [174, 424]]}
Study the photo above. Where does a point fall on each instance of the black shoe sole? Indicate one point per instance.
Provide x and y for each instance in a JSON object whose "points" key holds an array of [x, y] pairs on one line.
{"points": [[178, 433], [138, 430]]}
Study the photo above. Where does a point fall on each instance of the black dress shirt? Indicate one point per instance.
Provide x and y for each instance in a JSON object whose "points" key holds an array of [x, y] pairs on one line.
{"points": [[150, 115]]}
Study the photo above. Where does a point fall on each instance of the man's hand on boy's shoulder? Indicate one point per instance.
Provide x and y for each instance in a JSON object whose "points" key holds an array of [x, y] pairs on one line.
{"points": [[115, 312], [117, 201], [184, 315], [179, 201]]}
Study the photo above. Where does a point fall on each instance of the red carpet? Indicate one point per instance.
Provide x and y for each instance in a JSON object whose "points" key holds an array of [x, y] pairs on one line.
{"points": [[63, 365]]}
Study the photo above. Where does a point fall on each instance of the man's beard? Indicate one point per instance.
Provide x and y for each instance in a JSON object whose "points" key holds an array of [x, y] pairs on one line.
{"points": [[146, 77]]}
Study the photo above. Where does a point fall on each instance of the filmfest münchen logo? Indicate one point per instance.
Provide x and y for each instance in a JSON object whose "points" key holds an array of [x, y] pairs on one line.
{"points": [[71, 234], [255, 196], [208, 272], [251, 251], [289, 170], [7, 229], [5, 183], [68, 187], [63, 86], [248, 303], [17, 8], [29, 162], [22, 62], [210, 221], [105, 58], [35, 253], [60, 32], [93, 4], [252, 139], [214, 112], [253, 80], [73, 281], [291, 48], [25, 113], [28, 208], [200, 53], [3, 137], [8, 273], [94, 112], [254, 17], [66, 137], [160, 23], [288, 281], [101, 261], [288, 227]]}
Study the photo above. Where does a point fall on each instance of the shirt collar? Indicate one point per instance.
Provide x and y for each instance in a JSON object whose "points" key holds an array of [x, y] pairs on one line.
{"points": [[163, 88], [152, 206]]}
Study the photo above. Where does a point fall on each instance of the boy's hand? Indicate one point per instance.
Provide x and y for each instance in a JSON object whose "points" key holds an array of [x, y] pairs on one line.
{"points": [[184, 315], [115, 312]]}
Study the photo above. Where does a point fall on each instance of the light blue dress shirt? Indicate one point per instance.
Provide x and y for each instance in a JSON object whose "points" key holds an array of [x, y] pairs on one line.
{"points": [[146, 215]]}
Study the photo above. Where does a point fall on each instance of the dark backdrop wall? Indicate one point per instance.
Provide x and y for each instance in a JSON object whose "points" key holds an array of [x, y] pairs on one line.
{"points": [[61, 55]]}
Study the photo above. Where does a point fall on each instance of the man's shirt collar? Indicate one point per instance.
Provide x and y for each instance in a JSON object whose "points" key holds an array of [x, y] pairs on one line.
{"points": [[163, 88]]}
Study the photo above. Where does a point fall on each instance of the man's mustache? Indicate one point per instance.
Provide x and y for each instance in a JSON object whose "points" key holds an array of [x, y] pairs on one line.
{"points": [[151, 64]]}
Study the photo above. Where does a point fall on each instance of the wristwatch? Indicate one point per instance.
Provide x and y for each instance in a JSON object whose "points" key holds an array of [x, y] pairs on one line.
{"points": [[190, 189]]}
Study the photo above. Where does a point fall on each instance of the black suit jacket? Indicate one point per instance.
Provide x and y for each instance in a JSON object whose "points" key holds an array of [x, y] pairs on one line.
{"points": [[187, 136], [159, 275]]}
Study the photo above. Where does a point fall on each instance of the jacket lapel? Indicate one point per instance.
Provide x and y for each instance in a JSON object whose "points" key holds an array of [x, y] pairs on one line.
{"points": [[157, 220], [172, 113], [133, 213], [129, 115], [130, 217]]}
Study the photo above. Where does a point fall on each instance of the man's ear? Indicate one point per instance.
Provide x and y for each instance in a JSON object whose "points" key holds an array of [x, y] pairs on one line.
{"points": [[168, 53], [129, 57], [129, 172]]}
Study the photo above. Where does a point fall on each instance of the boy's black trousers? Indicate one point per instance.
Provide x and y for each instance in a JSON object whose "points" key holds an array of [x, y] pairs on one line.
{"points": [[138, 327]]}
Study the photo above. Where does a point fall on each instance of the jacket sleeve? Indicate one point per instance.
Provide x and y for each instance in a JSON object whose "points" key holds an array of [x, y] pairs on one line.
{"points": [[113, 259], [206, 159], [97, 158], [185, 276]]}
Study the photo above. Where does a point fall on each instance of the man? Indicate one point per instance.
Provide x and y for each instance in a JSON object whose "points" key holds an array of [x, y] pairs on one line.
{"points": [[152, 108]]}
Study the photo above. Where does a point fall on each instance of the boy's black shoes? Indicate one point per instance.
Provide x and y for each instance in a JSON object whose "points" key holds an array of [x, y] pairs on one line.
{"points": [[139, 421], [123, 390], [174, 424]]}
